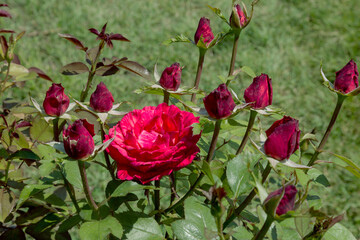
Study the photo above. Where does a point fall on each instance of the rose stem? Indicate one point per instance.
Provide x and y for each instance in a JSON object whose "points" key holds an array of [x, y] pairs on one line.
{"points": [[339, 103], [6, 77], [56, 129], [248, 131], [265, 228], [106, 155], [70, 192], [91, 75], [209, 156], [198, 72], [248, 199], [234, 51], [166, 97], [157, 200], [84, 180]]}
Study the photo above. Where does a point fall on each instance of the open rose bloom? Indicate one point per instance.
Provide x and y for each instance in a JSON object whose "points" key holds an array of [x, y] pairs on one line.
{"points": [[153, 142]]}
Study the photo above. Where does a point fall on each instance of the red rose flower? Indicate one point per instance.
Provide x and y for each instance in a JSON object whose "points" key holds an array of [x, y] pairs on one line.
{"points": [[347, 78], [219, 103], [204, 30], [238, 20], [56, 101], [287, 202], [153, 142], [78, 141], [101, 100], [282, 138], [171, 77], [259, 92]]}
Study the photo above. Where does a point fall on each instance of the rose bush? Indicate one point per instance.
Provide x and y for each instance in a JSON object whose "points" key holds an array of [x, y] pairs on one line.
{"points": [[153, 142]]}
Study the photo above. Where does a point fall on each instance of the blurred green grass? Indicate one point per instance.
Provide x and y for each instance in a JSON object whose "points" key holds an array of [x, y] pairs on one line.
{"points": [[287, 39]]}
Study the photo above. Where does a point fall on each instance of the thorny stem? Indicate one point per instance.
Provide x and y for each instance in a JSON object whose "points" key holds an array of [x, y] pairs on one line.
{"points": [[6, 77], [84, 180], [265, 228], [198, 72], [195, 184], [91, 75], [248, 199], [166, 97], [56, 129], [339, 103], [248, 131], [234, 52]]}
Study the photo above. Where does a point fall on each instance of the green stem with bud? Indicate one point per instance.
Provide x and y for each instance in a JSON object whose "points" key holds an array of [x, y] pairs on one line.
{"points": [[84, 180], [234, 52], [198, 72], [208, 158], [336, 112], [91, 75], [248, 131]]}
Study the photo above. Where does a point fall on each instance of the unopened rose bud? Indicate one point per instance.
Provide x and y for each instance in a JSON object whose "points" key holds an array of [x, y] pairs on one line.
{"points": [[204, 31], [78, 141], [219, 103], [282, 138], [259, 92], [347, 78], [56, 101], [171, 77], [101, 100], [238, 17], [287, 202]]}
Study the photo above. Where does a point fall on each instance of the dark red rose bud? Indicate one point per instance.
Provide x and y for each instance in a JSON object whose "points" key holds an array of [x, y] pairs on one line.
{"points": [[259, 92], [219, 103], [282, 138], [171, 77], [56, 101], [204, 31], [347, 78], [101, 100], [287, 202], [78, 142], [238, 18]]}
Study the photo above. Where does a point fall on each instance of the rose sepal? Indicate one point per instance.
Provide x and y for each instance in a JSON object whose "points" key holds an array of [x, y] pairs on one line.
{"points": [[330, 86], [49, 118], [274, 162]]}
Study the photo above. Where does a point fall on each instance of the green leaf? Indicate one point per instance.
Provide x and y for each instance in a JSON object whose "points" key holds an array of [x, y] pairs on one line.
{"points": [[7, 203], [352, 167], [100, 229], [72, 173], [17, 70], [248, 71], [129, 187], [41, 131], [136, 68], [139, 226], [238, 175], [28, 191], [217, 11], [91, 55], [24, 154], [337, 232], [198, 223], [178, 38], [74, 68], [15, 233], [69, 223]]}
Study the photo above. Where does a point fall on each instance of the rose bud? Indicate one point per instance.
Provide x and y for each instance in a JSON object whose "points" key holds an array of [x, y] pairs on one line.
{"points": [[238, 18], [171, 77], [219, 103], [282, 138], [204, 31], [101, 100], [287, 202], [56, 101], [259, 92], [347, 78], [78, 141]]}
